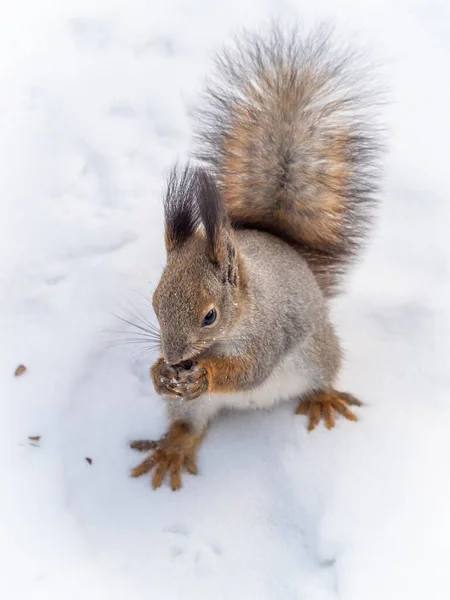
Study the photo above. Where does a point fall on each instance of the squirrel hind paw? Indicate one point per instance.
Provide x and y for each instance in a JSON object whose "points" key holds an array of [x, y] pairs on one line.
{"points": [[324, 405]]}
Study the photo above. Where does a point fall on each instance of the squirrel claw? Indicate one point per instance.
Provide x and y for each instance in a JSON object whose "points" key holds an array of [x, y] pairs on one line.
{"points": [[324, 405]]}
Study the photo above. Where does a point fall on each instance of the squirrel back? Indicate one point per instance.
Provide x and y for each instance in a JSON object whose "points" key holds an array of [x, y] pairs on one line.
{"points": [[289, 130]]}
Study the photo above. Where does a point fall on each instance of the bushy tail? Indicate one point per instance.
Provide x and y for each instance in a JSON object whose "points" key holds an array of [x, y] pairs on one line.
{"points": [[289, 128]]}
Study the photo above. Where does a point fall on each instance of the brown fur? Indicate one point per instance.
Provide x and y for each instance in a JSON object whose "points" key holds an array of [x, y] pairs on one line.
{"points": [[226, 373], [213, 374]]}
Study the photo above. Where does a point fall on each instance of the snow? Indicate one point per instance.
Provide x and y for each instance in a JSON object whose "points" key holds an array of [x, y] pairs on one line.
{"points": [[94, 107]]}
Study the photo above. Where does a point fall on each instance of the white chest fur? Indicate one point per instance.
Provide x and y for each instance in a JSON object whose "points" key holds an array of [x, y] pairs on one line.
{"points": [[287, 381]]}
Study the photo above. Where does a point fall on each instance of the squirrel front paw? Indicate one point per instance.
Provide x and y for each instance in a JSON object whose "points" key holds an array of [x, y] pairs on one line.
{"points": [[164, 379], [187, 380], [192, 381]]}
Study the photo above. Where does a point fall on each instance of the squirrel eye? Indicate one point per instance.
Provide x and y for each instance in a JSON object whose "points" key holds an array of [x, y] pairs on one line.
{"points": [[209, 318]]}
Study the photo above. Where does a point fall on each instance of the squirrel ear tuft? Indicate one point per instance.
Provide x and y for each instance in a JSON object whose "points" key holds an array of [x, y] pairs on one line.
{"points": [[192, 197], [180, 206], [214, 218]]}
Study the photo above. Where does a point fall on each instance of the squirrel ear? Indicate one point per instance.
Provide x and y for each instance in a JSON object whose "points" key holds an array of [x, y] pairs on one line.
{"points": [[215, 220], [180, 207]]}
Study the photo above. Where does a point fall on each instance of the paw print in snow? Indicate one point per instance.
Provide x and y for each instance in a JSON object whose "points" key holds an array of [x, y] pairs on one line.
{"points": [[199, 553]]}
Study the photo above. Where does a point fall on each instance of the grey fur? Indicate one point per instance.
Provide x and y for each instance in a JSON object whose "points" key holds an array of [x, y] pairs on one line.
{"points": [[286, 305], [285, 315]]}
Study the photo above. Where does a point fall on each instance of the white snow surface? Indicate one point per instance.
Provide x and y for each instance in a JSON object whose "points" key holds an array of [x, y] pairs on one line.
{"points": [[94, 108]]}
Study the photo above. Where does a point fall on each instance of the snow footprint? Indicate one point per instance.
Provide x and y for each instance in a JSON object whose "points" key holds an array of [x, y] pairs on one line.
{"points": [[196, 552]]}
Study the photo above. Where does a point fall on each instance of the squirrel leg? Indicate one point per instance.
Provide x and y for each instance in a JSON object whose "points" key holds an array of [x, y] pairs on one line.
{"points": [[175, 451], [323, 404]]}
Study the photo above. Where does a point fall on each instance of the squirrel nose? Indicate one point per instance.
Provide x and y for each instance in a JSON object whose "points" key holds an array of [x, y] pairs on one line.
{"points": [[172, 358], [173, 355]]}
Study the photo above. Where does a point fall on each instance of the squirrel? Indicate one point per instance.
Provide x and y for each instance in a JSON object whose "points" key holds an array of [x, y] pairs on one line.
{"points": [[259, 231]]}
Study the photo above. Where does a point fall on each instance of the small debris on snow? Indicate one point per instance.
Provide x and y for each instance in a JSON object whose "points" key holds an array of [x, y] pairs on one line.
{"points": [[34, 438], [20, 370], [88, 460]]}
